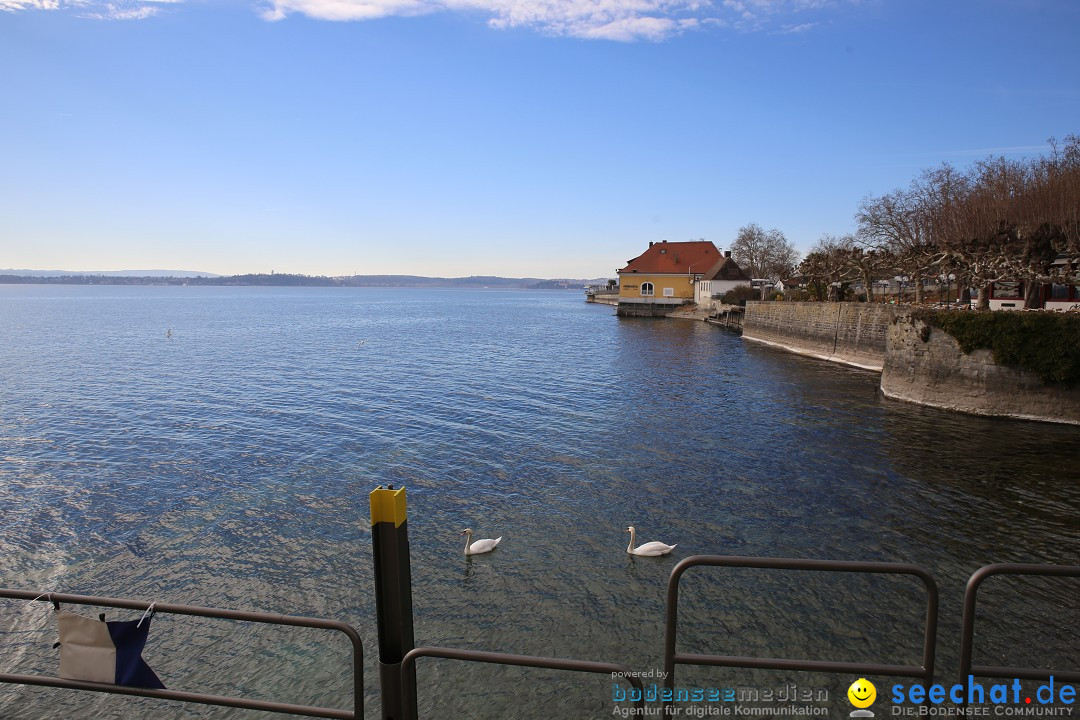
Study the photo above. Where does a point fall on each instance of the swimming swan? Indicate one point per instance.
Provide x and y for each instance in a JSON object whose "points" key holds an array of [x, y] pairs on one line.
{"points": [[650, 548], [480, 546]]}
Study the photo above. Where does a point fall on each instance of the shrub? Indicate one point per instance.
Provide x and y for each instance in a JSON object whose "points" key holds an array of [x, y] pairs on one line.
{"points": [[739, 295]]}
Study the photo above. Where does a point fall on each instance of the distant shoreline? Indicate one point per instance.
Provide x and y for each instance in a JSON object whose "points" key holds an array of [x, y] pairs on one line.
{"points": [[290, 280]]}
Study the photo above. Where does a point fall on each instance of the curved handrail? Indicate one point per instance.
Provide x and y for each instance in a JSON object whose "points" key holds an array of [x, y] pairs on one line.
{"points": [[201, 698], [497, 658], [967, 637], [671, 657]]}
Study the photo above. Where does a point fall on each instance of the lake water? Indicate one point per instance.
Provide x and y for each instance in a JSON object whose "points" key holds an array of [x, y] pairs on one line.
{"points": [[230, 464]]}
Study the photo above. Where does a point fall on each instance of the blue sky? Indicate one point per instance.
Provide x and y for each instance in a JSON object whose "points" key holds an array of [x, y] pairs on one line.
{"points": [[540, 138]]}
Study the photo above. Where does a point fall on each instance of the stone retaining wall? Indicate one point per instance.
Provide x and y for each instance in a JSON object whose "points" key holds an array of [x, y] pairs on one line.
{"points": [[918, 364], [936, 372], [646, 309], [850, 333], [603, 299]]}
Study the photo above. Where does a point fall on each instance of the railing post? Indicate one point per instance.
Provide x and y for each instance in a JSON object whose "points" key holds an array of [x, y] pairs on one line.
{"points": [[393, 601]]}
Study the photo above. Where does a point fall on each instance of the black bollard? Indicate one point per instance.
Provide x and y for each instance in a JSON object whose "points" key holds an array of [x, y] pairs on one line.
{"points": [[393, 601]]}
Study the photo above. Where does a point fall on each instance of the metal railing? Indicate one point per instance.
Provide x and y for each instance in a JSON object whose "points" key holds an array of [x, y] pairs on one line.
{"points": [[672, 658], [968, 637], [497, 658], [925, 671], [201, 698]]}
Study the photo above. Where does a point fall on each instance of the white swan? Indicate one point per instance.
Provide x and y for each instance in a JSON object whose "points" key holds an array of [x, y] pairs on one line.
{"points": [[480, 546], [650, 549]]}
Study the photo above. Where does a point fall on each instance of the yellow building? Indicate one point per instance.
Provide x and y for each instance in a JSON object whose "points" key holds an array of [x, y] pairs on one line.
{"points": [[664, 276]]}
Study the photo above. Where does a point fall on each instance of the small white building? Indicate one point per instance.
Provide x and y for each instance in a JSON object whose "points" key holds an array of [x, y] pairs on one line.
{"points": [[718, 280], [1010, 296], [785, 286]]}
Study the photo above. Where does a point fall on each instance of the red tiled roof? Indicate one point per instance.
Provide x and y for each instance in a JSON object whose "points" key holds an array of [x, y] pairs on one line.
{"points": [[681, 258]]}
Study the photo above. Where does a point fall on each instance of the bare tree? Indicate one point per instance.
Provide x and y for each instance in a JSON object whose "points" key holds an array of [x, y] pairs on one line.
{"points": [[1000, 220], [867, 265], [764, 254], [896, 225], [958, 228], [825, 268], [1052, 214]]}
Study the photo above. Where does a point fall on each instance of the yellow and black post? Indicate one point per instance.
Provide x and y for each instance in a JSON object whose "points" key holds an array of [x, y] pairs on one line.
{"points": [[393, 600]]}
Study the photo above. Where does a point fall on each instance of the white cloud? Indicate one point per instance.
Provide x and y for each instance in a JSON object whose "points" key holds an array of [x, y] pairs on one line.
{"points": [[623, 20], [347, 9], [113, 11], [619, 20], [755, 15], [634, 28], [13, 5], [122, 10]]}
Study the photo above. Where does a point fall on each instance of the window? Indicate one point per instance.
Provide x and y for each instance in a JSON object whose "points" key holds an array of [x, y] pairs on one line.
{"points": [[1059, 292], [646, 288], [1007, 291], [669, 292]]}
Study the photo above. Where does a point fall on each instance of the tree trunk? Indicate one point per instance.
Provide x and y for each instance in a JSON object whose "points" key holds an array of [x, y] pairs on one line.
{"points": [[918, 292], [1031, 294], [869, 287], [982, 300]]}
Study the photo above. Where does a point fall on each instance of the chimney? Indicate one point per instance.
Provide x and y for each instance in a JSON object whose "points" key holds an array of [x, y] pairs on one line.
{"points": [[650, 243], [727, 253], [663, 241]]}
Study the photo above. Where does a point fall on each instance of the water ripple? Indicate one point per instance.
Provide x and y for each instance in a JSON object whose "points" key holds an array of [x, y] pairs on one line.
{"points": [[230, 464]]}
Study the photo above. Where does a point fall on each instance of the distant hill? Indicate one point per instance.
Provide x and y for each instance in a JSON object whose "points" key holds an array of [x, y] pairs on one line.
{"points": [[473, 281], [182, 277], [109, 273]]}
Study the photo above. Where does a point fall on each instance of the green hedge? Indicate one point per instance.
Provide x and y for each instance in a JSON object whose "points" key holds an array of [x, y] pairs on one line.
{"points": [[1046, 343], [740, 294]]}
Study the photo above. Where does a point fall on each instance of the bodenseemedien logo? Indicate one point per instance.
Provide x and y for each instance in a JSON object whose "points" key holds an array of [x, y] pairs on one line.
{"points": [[862, 694]]}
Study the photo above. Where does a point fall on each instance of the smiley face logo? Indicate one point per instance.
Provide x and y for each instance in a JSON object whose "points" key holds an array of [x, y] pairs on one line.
{"points": [[862, 693]]}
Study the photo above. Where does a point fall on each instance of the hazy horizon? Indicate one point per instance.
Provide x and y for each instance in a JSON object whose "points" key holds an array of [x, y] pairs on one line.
{"points": [[28, 272]]}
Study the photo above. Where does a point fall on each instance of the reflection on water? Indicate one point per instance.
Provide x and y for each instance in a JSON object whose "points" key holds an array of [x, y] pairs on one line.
{"points": [[229, 465]]}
